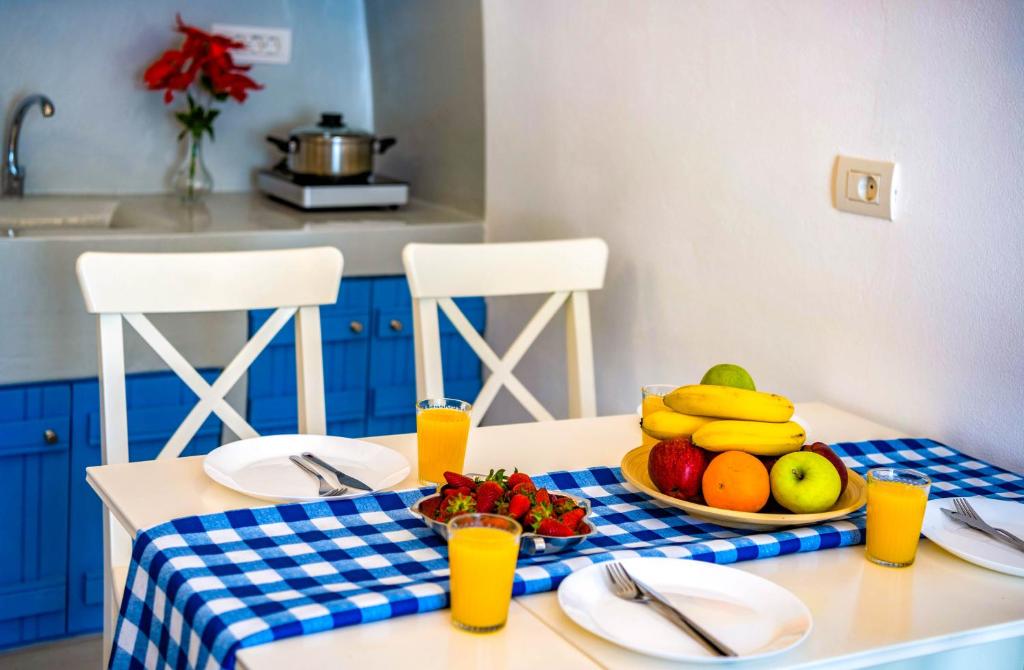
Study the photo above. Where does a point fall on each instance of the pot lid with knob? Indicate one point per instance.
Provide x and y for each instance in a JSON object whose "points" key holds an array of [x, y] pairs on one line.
{"points": [[331, 126]]}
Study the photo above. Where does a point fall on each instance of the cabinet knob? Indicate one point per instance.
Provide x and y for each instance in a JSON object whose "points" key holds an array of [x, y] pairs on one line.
{"points": [[396, 325], [50, 436], [355, 326]]}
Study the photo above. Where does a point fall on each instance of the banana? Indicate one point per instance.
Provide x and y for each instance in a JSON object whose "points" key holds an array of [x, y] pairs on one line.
{"points": [[666, 424], [760, 438], [726, 402]]}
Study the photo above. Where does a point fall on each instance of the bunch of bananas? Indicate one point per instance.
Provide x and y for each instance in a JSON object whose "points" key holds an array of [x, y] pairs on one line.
{"points": [[723, 418]]}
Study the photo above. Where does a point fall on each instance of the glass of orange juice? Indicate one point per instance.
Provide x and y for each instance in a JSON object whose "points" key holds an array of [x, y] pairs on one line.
{"points": [[442, 429], [651, 400], [896, 502], [482, 553]]}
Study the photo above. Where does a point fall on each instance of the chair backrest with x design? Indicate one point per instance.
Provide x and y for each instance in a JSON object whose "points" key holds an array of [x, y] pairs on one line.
{"points": [[121, 287], [567, 269]]}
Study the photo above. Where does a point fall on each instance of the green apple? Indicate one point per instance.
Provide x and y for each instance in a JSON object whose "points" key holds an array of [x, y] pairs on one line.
{"points": [[805, 482], [729, 374]]}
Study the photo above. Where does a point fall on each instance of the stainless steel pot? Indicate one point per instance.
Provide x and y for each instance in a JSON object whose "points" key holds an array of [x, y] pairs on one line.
{"points": [[331, 150]]}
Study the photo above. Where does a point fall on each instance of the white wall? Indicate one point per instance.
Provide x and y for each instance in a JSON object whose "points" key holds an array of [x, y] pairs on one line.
{"points": [[698, 138], [110, 135], [428, 90]]}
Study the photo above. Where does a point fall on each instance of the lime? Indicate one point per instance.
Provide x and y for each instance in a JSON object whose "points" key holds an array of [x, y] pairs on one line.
{"points": [[727, 374]]}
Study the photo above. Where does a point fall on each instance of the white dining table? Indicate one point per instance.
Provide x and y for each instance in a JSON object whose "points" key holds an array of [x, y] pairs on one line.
{"points": [[942, 612]]}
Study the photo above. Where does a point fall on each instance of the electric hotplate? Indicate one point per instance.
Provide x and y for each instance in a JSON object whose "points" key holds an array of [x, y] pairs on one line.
{"points": [[304, 193]]}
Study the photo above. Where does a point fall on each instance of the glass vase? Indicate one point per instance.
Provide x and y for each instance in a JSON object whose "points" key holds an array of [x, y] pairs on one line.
{"points": [[192, 181]]}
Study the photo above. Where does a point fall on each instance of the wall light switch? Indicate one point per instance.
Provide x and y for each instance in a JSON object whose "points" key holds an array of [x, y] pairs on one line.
{"points": [[865, 187], [262, 45]]}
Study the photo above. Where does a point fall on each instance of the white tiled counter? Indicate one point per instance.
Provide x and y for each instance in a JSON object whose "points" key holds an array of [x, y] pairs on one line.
{"points": [[46, 334]]}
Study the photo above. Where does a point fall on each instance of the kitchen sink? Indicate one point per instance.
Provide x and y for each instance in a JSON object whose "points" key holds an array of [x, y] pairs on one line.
{"points": [[50, 212]]}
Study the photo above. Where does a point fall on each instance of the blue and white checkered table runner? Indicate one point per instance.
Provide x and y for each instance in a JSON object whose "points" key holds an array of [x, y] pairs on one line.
{"points": [[201, 588]]}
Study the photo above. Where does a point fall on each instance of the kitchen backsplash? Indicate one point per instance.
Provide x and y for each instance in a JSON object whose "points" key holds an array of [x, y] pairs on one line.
{"points": [[110, 135]]}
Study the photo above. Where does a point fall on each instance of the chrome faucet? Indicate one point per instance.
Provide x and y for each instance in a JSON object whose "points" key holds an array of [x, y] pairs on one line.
{"points": [[13, 176]]}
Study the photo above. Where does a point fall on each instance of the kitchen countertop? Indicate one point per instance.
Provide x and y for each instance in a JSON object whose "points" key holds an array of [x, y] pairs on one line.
{"points": [[46, 334], [226, 214]]}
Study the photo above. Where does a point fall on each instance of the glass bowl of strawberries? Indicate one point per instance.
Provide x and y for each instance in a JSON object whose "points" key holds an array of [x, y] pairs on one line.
{"points": [[552, 521]]}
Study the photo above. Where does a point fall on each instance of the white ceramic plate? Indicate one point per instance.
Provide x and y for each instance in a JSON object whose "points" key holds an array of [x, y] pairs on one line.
{"points": [[754, 616], [259, 467], [972, 545]]}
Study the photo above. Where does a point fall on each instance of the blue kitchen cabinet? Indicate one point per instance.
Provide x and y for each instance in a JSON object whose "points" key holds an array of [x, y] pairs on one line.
{"points": [[344, 329], [369, 370], [392, 360], [51, 541], [34, 437], [157, 403]]}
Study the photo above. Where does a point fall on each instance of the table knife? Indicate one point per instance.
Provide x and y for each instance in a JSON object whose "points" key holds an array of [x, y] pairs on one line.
{"points": [[982, 528], [343, 479], [662, 602]]}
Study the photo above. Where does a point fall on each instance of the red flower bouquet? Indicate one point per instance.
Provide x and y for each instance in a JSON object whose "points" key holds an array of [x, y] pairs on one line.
{"points": [[203, 69], [206, 58]]}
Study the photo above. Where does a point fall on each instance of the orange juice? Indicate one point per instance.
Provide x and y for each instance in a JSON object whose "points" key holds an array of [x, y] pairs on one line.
{"points": [[652, 400], [896, 504], [653, 403], [441, 434], [482, 560]]}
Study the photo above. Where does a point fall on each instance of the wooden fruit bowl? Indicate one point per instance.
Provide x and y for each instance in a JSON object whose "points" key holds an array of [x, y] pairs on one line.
{"points": [[634, 469]]}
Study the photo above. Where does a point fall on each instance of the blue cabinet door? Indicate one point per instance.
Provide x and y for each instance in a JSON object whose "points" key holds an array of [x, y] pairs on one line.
{"points": [[157, 403], [34, 438], [392, 363], [345, 335], [369, 370]]}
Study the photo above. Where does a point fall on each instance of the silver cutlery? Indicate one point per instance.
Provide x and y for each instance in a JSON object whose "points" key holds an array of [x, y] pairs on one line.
{"points": [[968, 510], [326, 490], [343, 479], [627, 587], [966, 515], [982, 528]]}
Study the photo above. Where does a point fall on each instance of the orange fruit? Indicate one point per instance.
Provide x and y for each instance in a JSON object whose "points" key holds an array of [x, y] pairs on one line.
{"points": [[736, 480]]}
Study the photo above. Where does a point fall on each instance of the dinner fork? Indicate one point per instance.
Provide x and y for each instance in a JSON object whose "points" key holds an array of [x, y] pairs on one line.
{"points": [[964, 508], [625, 586], [326, 490]]}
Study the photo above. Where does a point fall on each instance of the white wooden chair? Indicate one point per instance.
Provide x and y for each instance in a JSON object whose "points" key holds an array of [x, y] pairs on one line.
{"points": [[122, 287], [567, 269]]}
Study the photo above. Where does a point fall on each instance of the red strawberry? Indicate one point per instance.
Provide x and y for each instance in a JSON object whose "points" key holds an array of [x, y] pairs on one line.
{"points": [[572, 519], [448, 490], [456, 505], [498, 477], [536, 514], [525, 488], [582, 528], [487, 494], [554, 528], [428, 507], [457, 480], [542, 496], [501, 507], [518, 505], [518, 478], [563, 504]]}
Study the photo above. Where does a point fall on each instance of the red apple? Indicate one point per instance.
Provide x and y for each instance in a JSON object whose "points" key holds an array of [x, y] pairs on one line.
{"points": [[823, 449], [769, 462], [772, 506], [676, 467]]}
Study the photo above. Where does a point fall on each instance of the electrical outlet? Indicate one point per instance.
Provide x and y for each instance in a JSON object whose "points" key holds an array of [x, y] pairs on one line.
{"points": [[865, 187], [262, 45]]}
